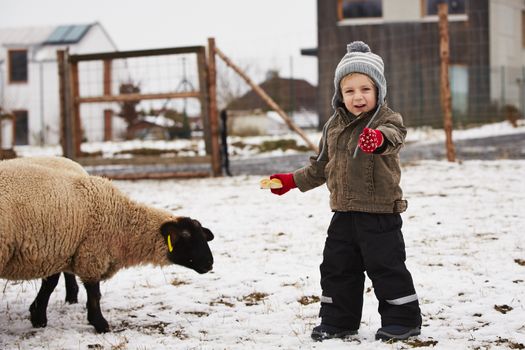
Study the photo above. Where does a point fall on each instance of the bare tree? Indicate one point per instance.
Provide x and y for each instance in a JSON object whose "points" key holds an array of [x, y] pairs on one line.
{"points": [[230, 86]]}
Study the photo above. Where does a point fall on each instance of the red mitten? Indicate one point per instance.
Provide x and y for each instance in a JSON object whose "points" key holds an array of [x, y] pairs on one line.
{"points": [[370, 139], [288, 183]]}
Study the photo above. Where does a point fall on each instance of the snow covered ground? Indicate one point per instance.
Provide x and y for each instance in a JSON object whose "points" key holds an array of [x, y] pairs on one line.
{"points": [[465, 248]]}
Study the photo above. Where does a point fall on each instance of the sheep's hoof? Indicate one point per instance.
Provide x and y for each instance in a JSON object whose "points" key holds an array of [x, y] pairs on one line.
{"points": [[101, 325], [71, 299], [38, 320]]}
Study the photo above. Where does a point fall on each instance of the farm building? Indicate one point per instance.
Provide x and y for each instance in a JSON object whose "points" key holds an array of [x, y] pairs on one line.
{"points": [[29, 87], [487, 54], [251, 115]]}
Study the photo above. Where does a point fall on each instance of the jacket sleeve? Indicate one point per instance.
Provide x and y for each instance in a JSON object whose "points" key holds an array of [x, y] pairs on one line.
{"points": [[313, 175], [394, 132]]}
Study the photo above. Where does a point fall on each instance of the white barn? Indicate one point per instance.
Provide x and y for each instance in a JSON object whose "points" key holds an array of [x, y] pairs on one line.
{"points": [[29, 77]]}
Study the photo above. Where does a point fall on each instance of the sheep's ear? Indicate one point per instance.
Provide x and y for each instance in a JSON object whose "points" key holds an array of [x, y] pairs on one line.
{"points": [[207, 233], [174, 228]]}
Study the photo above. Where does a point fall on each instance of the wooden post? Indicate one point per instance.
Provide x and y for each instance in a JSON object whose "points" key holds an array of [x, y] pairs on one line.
{"points": [[446, 100], [212, 107], [108, 132], [66, 120], [75, 110], [267, 99], [108, 128]]}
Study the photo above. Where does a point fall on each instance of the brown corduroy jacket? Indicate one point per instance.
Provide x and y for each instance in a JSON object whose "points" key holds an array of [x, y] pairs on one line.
{"points": [[368, 183]]}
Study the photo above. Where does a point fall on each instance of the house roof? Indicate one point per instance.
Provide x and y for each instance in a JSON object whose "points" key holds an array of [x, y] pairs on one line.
{"points": [[289, 94], [46, 35], [67, 34], [24, 36]]}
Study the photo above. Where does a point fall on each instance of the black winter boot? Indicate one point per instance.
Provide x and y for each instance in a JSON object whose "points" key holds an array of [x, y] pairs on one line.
{"points": [[325, 331], [397, 332]]}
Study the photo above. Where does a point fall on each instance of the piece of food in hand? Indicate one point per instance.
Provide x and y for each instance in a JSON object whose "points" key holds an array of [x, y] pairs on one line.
{"points": [[271, 184]]}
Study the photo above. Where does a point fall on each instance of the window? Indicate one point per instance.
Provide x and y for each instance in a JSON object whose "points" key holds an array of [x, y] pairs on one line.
{"points": [[458, 77], [454, 6], [351, 9], [17, 66], [21, 128]]}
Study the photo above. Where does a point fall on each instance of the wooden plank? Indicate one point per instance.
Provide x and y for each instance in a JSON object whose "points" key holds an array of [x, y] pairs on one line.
{"points": [[144, 160], [135, 53], [154, 176], [137, 97], [446, 99]]}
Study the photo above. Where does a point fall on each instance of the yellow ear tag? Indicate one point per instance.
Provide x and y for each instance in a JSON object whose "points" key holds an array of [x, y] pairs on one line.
{"points": [[170, 247]]}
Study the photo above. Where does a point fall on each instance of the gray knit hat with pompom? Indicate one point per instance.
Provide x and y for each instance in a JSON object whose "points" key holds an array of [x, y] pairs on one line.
{"points": [[359, 59]]}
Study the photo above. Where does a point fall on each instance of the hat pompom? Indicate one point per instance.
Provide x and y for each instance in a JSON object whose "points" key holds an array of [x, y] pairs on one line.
{"points": [[358, 46]]}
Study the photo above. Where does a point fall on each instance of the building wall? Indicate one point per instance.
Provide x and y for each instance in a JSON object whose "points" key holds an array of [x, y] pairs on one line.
{"points": [[507, 54], [40, 95], [410, 50]]}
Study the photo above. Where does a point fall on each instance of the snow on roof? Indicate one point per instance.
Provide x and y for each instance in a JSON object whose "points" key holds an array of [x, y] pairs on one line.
{"points": [[24, 36], [44, 35]]}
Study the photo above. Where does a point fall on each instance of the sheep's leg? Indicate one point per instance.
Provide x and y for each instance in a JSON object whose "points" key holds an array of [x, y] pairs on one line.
{"points": [[71, 288], [95, 317], [38, 308]]}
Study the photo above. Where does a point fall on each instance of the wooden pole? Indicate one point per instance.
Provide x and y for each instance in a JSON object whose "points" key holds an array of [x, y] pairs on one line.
{"points": [[75, 110], [446, 100], [266, 99], [108, 132], [108, 125], [212, 106], [66, 118]]}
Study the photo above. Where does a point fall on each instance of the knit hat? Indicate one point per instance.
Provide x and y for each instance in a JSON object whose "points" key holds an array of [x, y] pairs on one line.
{"points": [[359, 59]]}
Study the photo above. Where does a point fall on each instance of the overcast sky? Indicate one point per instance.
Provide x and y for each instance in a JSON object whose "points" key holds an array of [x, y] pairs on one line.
{"points": [[266, 34]]}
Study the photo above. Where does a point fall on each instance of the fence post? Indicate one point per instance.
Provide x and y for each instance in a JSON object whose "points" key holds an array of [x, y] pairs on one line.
{"points": [[108, 132], [66, 128], [446, 103], [212, 106]]}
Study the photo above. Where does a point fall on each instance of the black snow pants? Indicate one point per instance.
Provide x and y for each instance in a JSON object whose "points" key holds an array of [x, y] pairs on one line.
{"points": [[359, 242]]}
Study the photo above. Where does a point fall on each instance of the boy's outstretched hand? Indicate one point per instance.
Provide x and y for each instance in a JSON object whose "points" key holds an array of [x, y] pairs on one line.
{"points": [[370, 139], [288, 183]]}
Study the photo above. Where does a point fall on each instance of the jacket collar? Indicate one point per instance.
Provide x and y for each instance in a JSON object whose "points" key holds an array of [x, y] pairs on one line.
{"points": [[350, 118]]}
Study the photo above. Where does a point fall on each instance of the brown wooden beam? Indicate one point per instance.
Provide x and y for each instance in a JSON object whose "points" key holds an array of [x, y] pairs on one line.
{"points": [[137, 53], [144, 160], [137, 97], [154, 176]]}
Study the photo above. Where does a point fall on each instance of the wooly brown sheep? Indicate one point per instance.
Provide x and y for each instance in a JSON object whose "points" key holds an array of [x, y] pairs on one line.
{"points": [[55, 218]]}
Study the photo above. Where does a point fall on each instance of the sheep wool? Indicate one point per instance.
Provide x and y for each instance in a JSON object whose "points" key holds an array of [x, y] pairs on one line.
{"points": [[55, 217]]}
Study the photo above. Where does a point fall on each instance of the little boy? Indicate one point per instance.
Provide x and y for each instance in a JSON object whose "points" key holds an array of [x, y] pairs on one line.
{"points": [[365, 196]]}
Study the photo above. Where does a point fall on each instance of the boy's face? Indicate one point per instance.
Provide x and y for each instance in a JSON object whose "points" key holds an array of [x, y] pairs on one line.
{"points": [[359, 93]]}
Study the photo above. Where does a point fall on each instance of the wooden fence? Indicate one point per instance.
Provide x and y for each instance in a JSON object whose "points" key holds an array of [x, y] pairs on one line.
{"points": [[73, 125]]}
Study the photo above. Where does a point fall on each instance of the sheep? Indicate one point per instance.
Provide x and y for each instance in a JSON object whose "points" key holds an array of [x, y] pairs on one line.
{"points": [[54, 218]]}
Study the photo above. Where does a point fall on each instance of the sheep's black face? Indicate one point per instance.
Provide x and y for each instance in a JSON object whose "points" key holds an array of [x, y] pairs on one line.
{"points": [[187, 243]]}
